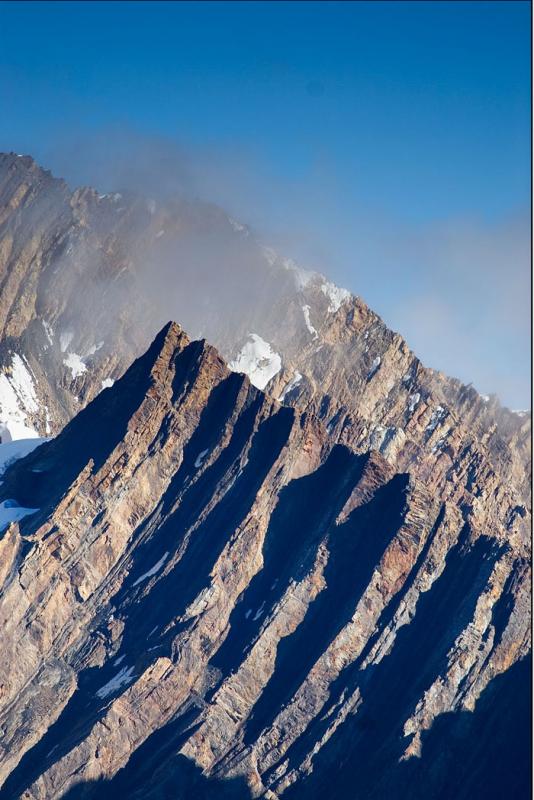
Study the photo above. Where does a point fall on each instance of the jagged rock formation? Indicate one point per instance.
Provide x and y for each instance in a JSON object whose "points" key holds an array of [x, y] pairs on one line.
{"points": [[85, 279], [217, 598]]}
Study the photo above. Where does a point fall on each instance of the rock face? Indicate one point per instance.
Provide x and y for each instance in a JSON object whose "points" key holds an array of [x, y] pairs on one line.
{"points": [[85, 279], [220, 595]]}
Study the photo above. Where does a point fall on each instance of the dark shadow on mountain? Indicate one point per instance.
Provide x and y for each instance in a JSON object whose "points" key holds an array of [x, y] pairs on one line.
{"points": [[391, 688], [355, 548], [171, 595], [484, 754], [306, 509], [43, 476], [178, 779]]}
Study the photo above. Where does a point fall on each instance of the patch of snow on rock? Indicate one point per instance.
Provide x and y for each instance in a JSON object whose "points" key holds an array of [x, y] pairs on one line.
{"points": [[17, 400], [22, 383], [153, 570], [49, 332], [75, 364], [438, 415], [307, 320], [200, 458], [413, 401], [12, 451], [374, 367], [10, 511], [107, 383], [335, 296], [122, 678], [258, 360]]}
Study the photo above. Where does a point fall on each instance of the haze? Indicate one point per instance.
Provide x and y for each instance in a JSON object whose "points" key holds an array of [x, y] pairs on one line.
{"points": [[384, 144]]}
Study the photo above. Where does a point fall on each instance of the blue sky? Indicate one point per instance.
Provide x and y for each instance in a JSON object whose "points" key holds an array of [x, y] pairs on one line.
{"points": [[386, 144]]}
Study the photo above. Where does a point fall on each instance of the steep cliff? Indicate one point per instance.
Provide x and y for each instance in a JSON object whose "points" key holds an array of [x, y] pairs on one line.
{"points": [[210, 595]]}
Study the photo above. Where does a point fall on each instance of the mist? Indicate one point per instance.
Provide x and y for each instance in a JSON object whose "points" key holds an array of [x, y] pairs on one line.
{"points": [[457, 288]]}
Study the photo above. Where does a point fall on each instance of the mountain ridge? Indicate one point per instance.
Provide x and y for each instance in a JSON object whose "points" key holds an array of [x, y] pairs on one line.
{"points": [[333, 564], [276, 618]]}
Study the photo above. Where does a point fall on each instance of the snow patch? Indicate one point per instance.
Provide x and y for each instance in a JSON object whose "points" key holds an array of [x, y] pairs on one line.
{"points": [[75, 364], [122, 678], [335, 296], [17, 400], [413, 401], [107, 383], [153, 570], [12, 451], [10, 511], [374, 367], [49, 332], [258, 360], [200, 458], [438, 415], [311, 329]]}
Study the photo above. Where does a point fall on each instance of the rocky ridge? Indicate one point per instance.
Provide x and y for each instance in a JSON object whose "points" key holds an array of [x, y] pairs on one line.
{"points": [[216, 596], [86, 278]]}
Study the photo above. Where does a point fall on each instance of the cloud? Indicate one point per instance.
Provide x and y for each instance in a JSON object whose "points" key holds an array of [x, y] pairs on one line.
{"points": [[457, 289]]}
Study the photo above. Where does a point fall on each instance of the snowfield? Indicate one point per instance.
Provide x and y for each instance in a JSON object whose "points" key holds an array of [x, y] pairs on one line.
{"points": [[17, 400], [12, 451], [258, 360], [75, 364]]}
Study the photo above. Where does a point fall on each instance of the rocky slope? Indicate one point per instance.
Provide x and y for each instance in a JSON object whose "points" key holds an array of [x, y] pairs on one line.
{"points": [[209, 595], [85, 279]]}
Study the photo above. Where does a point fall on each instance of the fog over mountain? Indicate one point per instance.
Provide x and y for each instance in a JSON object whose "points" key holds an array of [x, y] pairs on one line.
{"points": [[455, 287]]}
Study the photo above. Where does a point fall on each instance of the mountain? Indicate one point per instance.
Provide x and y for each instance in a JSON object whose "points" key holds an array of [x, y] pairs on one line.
{"points": [[311, 581], [211, 597], [85, 280]]}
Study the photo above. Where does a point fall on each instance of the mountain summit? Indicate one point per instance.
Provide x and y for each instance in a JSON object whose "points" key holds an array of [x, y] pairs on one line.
{"points": [[291, 563]]}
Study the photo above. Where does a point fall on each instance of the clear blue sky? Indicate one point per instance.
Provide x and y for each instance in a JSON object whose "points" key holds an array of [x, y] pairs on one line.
{"points": [[386, 143]]}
